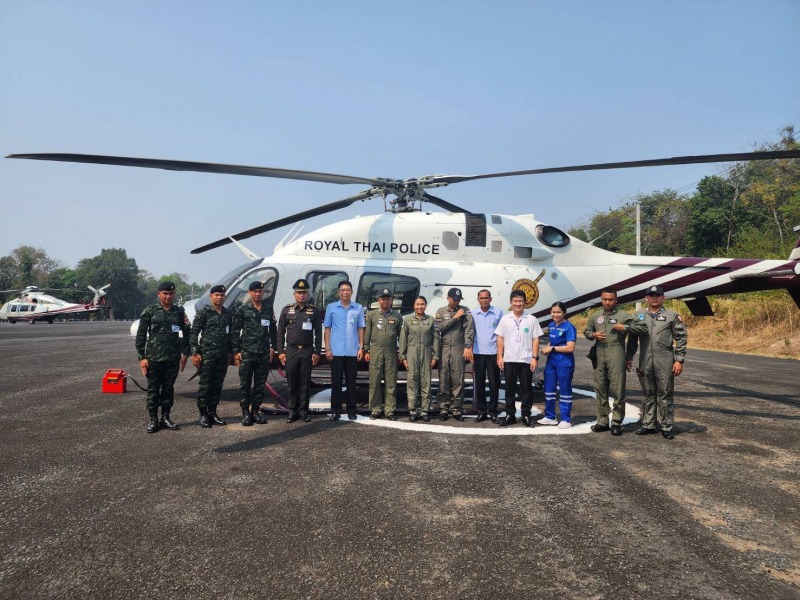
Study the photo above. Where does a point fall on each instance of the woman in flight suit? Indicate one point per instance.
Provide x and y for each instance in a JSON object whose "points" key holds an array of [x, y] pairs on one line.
{"points": [[419, 351]]}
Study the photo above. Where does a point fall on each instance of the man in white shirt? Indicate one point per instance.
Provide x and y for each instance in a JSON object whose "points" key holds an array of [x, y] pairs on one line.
{"points": [[517, 355]]}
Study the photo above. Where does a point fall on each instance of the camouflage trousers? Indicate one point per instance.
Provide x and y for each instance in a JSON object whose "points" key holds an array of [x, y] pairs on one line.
{"points": [[253, 373], [161, 378], [212, 376]]}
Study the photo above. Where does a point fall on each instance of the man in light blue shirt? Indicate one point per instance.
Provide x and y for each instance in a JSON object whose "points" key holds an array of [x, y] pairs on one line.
{"points": [[484, 357], [344, 347]]}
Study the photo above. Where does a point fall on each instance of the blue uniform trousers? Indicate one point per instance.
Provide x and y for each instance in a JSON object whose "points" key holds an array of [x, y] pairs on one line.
{"points": [[558, 374]]}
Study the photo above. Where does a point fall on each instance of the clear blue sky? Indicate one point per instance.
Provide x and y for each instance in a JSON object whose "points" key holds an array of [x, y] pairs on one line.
{"points": [[370, 89]]}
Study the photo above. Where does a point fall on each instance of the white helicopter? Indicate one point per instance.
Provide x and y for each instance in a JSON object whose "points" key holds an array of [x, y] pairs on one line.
{"points": [[412, 251], [33, 305]]}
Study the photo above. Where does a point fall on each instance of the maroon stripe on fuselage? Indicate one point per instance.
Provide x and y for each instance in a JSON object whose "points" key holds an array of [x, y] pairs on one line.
{"points": [[659, 271]]}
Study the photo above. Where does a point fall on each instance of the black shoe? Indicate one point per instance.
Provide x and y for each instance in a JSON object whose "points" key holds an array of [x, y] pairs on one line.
{"points": [[493, 417], [247, 418], [426, 417], [413, 417], [667, 434], [331, 417], [443, 416], [292, 418], [509, 420], [215, 419], [458, 417], [597, 428], [167, 423], [256, 416], [392, 417], [645, 431], [352, 416], [527, 421], [616, 430], [307, 418], [204, 422], [481, 417], [152, 426], [374, 416]]}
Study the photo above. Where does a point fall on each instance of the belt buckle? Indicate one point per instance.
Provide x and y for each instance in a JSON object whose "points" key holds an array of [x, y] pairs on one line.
{"points": [[299, 346]]}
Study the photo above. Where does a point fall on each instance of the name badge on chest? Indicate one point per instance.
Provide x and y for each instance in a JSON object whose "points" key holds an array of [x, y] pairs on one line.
{"points": [[176, 329], [265, 322], [307, 326]]}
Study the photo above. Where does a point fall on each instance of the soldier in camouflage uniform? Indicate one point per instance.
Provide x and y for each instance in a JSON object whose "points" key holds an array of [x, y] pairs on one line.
{"points": [[162, 353], [380, 351], [608, 328], [253, 342], [299, 348], [662, 352], [456, 331], [211, 351], [419, 352]]}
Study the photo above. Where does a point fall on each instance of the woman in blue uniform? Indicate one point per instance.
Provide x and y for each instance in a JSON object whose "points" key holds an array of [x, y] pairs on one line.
{"points": [[559, 368]]}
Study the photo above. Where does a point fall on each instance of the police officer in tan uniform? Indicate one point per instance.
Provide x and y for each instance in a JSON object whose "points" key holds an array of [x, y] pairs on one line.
{"points": [[607, 328], [299, 347], [456, 331], [380, 351], [662, 350]]}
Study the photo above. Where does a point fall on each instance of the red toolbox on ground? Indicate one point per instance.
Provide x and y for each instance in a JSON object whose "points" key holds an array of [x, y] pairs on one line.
{"points": [[115, 381]]}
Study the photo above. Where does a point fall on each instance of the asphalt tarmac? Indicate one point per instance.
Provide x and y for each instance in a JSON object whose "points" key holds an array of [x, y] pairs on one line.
{"points": [[91, 506]]}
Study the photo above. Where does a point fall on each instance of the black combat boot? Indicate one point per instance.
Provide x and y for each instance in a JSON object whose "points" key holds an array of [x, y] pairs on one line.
{"points": [[152, 427], [214, 418], [257, 416], [247, 419], [166, 422], [204, 421]]}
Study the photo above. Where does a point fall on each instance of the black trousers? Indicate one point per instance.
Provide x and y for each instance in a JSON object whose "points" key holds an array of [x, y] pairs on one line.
{"points": [[298, 376], [519, 372], [347, 366], [484, 366]]}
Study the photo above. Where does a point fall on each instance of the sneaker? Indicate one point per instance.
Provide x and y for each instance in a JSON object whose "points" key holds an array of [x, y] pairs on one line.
{"points": [[547, 421], [564, 425]]}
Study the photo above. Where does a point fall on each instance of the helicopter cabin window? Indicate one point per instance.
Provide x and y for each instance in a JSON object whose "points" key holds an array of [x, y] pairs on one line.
{"points": [[523, 252], [405, 289], [238, 293], [14, 308], [551, 236], [450, 240], [497, 220], [325, 286]]}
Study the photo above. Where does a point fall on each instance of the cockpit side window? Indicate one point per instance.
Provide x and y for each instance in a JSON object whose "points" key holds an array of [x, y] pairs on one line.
{"points": [[238, 293]]}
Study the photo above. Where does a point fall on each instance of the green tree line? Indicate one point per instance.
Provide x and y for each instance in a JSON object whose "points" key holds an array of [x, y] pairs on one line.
{"points": [[749, 210], [131, 288]]}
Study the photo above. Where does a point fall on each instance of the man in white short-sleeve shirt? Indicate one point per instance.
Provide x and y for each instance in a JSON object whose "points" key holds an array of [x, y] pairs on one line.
{"points": [[517, 355]]}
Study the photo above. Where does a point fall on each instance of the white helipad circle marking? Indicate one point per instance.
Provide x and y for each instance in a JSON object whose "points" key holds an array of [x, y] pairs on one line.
{"points": [[322, 401]]}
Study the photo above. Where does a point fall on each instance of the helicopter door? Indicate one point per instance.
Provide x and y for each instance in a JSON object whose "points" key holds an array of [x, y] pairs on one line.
{"points": [[325, 287], [405, 290]]}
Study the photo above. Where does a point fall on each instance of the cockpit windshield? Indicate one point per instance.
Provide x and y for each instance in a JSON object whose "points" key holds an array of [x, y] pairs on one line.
{"points": [[227, 280]]}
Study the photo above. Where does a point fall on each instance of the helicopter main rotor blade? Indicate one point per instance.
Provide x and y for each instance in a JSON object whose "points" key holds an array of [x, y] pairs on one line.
{"points": [[204, 167], [320, 210], [444, 204], [658, 162]]}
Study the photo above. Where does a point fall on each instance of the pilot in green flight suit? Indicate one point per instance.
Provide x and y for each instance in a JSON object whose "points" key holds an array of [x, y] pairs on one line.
{"points": [[608, 328], [380, 351]]}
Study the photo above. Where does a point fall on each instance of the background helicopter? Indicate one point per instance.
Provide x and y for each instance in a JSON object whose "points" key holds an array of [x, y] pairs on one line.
{"points": [[416, 252], [34, 305]]}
